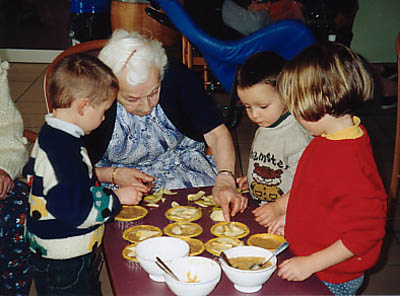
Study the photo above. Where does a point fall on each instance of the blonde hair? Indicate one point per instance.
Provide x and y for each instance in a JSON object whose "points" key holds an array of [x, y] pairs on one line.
{"points": [[325, 79], [81, 76], [136, 53]]}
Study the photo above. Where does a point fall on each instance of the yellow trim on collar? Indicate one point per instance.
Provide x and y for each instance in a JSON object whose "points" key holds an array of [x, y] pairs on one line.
{"points": [[349, 133]]}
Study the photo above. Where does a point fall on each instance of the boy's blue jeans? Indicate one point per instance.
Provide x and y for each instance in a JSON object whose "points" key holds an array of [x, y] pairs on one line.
{"points": [[76, 276]]}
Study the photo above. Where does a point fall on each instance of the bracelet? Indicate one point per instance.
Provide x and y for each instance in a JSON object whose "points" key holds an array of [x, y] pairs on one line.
{"points": [[113, 176], [226, 172]]}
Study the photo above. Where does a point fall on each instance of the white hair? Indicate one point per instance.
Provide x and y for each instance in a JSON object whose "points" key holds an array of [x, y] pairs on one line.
{"points": [[148, 52]]}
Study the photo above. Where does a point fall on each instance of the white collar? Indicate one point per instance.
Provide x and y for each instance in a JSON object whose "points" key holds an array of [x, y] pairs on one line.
{"points": [[65, 126]]}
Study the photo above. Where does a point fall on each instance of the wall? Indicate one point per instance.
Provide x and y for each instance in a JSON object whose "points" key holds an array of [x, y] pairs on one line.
{"points": [[375, 29]]}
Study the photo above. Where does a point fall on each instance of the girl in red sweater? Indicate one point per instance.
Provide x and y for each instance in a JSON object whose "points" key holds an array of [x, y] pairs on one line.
{"points": [[335, 215]]}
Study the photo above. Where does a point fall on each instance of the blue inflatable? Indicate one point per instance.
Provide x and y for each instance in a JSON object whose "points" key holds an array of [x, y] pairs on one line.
{"points": [[286, 38]]}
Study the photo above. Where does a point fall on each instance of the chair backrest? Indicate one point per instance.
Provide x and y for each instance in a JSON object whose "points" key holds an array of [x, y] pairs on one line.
{"points": [[398, 63], [286, 38], [90, 47], [394, 185]]}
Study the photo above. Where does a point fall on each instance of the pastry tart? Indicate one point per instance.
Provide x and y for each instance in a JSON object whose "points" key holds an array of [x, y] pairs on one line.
{"points": [[196, 245], [267, 241], [131, 213], [183, 213], [230, 229], [183, 229], [139, 233], [218, 244]]}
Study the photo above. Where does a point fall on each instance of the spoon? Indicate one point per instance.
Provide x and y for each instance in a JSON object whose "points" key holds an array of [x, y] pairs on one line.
{"points": [[278, 250], [166, 269]]}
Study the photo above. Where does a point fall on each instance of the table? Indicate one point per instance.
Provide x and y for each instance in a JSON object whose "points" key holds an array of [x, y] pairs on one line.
{"points": [[130, 279]]}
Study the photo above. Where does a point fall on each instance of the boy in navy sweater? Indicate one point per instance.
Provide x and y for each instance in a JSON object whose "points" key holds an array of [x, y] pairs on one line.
{"points": [[68, 208]]}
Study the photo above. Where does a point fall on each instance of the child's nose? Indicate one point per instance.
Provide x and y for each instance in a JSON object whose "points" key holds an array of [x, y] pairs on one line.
{"points": [[254, 113]]}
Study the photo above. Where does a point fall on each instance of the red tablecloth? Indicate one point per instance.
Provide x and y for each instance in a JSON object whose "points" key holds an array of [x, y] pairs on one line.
{"points": [[129, 278]]}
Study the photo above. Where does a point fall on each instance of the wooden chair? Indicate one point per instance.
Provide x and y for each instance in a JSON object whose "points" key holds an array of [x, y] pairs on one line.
{"points": [[194, 61], [393, 195], [132, 16]]}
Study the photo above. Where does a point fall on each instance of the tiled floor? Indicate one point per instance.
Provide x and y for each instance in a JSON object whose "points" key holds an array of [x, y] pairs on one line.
{"points": [[26, 82]]}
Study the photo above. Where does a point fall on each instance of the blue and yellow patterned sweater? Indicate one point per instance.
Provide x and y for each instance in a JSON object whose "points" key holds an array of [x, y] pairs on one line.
{"points": [[67, 206]]}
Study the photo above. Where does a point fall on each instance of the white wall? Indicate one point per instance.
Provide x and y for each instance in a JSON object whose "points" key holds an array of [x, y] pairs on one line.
{"points": [[375, 29]]}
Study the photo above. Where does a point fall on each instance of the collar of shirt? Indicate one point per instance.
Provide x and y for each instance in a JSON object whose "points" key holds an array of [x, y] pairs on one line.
{"points": [[282, 118], [65, 126], [349, 133]]}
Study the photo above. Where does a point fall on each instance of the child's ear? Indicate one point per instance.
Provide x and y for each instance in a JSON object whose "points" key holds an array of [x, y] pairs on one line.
{"points": [[82, 106]]}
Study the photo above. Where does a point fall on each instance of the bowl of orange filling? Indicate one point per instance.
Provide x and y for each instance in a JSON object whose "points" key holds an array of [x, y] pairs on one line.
{"points": [[239, 267], [198, 276]]}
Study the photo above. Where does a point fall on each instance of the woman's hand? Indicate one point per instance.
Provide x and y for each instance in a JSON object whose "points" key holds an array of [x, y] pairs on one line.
{"points": [[227, 197], [224, 191], [124, 176], [6, 184]]}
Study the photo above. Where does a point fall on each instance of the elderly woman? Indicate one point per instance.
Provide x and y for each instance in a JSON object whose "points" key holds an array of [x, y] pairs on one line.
{"points": [[160, 125]]}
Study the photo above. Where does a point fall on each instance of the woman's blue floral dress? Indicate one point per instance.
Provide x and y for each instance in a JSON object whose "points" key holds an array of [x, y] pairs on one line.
{"points": [[153, 145]]}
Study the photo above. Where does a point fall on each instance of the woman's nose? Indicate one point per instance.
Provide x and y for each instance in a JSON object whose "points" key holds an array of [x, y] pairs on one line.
{"points": [[147, 105]]}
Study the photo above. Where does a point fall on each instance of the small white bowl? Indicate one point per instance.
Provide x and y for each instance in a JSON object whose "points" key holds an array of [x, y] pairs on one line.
{"points": [[166, 247], [248, 281], [208, 274]]}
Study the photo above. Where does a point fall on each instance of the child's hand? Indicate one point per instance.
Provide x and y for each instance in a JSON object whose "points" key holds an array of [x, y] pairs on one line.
{"points": [[296, 268], [129, 195], [277, 226], [242, 183], [266, 214]]}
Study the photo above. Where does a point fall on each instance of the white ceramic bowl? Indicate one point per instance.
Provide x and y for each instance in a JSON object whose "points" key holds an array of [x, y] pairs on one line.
{"points": [[248, 281], [208, 274], [166, 247]]}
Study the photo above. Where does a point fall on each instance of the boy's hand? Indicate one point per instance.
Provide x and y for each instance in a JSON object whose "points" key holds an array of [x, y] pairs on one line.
{"points": [[129, 195], [266, 214], [242, 183], [296, 268]]}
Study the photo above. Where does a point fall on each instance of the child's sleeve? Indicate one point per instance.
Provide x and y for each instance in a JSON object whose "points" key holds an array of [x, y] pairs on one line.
{"points": [[360, 215], [81, 207], [70, 190], [105, 206]]}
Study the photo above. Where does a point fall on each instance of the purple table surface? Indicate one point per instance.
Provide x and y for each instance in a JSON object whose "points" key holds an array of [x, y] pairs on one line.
{"points": [[128, 278]]}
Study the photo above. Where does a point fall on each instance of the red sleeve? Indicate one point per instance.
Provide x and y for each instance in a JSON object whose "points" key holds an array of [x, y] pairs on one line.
{"points": [[361, 216]]}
